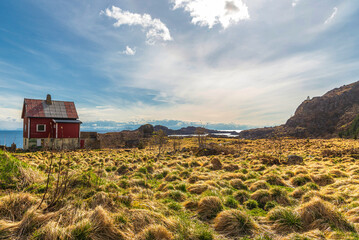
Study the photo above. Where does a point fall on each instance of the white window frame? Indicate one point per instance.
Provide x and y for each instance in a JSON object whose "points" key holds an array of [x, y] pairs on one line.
{"points": [[37, 128]]}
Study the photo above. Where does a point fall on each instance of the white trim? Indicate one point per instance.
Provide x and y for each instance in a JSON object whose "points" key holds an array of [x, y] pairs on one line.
{"points": [[57, 127], [28, 129], [37, 127]]}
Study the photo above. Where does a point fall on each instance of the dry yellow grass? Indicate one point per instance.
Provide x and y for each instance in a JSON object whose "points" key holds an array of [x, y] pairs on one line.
{"points": [[209, 207], [135, 194], [235, 223]]}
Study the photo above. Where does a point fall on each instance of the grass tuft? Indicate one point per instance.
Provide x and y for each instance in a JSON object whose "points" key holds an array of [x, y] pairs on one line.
{"points": [[320, 214], [285, 219], [155, 232], [209, 207], [234, 223]]}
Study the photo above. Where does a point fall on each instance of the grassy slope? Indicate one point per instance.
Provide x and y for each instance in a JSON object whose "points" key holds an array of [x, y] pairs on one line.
{"points": [[10, 168], [352, 131]]}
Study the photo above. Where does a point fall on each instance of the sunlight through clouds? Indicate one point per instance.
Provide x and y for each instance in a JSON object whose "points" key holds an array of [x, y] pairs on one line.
{"points": [[261, 61], [212, 12]]}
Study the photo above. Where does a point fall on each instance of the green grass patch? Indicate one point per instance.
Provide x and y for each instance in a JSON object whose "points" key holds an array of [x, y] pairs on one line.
{"points": [[9, 170]]}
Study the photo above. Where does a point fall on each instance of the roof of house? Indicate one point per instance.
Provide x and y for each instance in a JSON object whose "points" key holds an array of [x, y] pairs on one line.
{"points": [[58, 109], [66, 121]]}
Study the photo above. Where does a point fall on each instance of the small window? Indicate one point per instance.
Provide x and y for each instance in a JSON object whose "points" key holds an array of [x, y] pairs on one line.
{"points": [[40, 128]]}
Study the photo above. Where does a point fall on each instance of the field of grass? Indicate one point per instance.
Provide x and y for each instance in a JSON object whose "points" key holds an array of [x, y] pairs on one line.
{"points": [[247, 191]]}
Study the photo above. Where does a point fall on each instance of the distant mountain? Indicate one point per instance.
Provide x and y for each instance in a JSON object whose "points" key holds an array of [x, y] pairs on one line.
{"points": [[320, 117], [190, 130], [113, 126], [132, 138]]}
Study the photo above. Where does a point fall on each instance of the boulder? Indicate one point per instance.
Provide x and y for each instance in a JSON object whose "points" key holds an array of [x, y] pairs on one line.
{"points": [[216, 164]]}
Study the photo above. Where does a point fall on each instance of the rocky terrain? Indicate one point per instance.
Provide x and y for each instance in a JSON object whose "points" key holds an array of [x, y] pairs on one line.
{"points": [[320, 117]]}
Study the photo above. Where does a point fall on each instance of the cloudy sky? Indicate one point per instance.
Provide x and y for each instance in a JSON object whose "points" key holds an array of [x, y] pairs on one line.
{"points": [[221, 61]]}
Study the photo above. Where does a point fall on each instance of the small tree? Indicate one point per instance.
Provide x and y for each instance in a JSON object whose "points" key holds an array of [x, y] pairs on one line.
{"points": [[60, 184], [159, 139], [176, 143], [201, 137]]}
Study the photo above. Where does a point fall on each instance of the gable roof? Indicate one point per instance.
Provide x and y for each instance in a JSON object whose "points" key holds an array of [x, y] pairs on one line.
{"points": [[58, 109]]}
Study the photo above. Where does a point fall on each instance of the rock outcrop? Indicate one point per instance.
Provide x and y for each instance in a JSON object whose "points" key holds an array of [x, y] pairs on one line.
{"points": [[190, 130], [320, 117]]}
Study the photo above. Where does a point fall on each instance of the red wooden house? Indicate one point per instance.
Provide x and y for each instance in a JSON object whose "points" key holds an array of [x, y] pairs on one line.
{"points": [[51, 124]]}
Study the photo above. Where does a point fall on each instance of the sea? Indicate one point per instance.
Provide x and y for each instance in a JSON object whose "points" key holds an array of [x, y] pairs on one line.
{"points": [[9, 137], [223, 133]]}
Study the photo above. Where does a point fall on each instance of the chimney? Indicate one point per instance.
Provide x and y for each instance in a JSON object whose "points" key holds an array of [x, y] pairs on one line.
{"points": [[48, 99]]}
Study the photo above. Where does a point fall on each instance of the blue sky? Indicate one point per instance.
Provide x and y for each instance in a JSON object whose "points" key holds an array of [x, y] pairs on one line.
{"points": [[249, 62]]}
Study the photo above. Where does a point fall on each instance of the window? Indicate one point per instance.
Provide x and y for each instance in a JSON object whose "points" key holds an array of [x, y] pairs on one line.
{"points": [[40, 128]]}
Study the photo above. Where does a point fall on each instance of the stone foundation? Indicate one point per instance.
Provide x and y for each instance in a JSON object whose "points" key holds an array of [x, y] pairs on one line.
{"points": [[51, 143]]}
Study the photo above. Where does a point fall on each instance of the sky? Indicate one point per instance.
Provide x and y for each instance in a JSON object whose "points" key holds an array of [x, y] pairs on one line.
{"points": [[234, 62]]}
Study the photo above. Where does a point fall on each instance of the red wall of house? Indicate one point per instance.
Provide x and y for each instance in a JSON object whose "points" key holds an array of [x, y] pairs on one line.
{"points": [[68, 130], [49, 128]]}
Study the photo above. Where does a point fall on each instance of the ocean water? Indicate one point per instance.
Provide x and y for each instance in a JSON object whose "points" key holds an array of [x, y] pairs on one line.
{"points": [[9, 137], [229, 134]]}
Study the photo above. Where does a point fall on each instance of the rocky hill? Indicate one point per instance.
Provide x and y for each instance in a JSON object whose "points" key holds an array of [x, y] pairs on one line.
{"points": [[320, 117], [191, 130]]}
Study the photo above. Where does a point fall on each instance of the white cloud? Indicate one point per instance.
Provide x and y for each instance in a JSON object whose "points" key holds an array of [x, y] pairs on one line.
{"points": [[156, 30], [335, 11], [294, 3], [212, 12], [129, 51]]}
